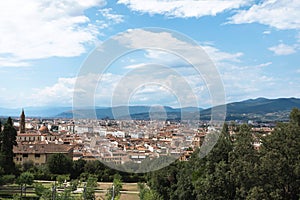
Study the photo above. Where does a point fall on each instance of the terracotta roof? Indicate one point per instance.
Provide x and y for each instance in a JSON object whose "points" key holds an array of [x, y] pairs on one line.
{"points": [[42, 148]]}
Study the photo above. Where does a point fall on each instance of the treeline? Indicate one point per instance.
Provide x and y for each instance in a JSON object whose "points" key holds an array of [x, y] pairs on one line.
{"points": [[234, 169], [59, 164]]}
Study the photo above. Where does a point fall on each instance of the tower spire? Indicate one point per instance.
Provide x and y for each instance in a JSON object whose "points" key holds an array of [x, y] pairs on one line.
{"points": [[22, 122]]}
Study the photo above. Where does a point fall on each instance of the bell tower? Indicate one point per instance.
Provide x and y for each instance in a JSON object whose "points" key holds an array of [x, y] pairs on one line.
{"points": [[22, 122]]}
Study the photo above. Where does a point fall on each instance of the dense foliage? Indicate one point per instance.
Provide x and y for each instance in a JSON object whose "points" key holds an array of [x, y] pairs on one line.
{"points": [[234, 169], [8, 136]]}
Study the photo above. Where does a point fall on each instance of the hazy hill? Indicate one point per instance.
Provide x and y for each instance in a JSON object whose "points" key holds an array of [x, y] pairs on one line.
{"points": [[121, 112], [260, 109]]}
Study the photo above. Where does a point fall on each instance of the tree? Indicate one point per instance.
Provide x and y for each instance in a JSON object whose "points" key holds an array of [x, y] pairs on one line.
{"points": [[146, 194], [115, 191], [25, 179], [27, 165], [280, 158], [89, 188], [295, 116], [59, 164], [62, 178], [184, 187], [39, 189], [78, 168], [7, 179], [244, 163], [212, 174], [7, 142]]}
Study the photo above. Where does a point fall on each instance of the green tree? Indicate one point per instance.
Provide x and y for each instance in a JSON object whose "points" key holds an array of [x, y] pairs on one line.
{"points": [[184, 186], [62, 178], [244, 163], [212, 174], [27, 165], [145, 193], [73, 184], [7, 142], [89, 188], [78, 168], [7, 179], [280, 160], [164, 181], [115, 191], [25, 179], [39, 189], [59, 164], [295, 116]]}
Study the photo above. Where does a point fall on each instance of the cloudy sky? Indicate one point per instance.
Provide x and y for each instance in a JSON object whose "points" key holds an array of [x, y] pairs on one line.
{"points": [[253, 44]]}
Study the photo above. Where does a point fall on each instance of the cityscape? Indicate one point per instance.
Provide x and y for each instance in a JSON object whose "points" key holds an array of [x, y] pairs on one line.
{"points": [[149, 100]]}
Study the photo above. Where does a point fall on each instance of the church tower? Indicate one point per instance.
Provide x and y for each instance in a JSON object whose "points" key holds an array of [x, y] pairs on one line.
{"points": [[22, 122]]}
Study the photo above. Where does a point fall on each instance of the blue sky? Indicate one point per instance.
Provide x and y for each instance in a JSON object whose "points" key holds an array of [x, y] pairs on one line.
{"points": [[43, 45]]}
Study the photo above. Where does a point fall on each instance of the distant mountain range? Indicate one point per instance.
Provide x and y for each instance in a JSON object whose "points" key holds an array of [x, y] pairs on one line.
{"points": [[260, 109]]}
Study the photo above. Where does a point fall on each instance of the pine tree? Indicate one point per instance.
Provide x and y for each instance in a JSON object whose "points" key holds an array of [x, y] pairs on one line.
{"points": [[280, 160], [243, 162], [213, 180]]}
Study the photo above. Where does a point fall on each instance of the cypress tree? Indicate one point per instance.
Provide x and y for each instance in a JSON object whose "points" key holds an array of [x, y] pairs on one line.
{"points": [[7, 142]]}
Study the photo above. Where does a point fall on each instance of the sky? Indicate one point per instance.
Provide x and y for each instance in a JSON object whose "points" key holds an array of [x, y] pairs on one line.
{"points": [[253, 46]]}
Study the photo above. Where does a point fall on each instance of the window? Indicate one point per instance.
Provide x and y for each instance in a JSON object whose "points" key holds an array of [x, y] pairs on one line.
{"points": [[37, 155], [25, 155]]}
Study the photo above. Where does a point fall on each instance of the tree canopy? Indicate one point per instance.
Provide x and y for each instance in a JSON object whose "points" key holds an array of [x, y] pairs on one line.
{"points": [[234, 169], [59, 164]]}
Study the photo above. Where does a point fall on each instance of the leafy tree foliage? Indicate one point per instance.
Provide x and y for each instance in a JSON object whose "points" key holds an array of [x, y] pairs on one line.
{"points": [[234, 169], [89, 188], [62, 178], [146, 194], [78, 168], [26, 178], [39, 189], [59, 164], [115, 191], [243, 162], [280, 160]]}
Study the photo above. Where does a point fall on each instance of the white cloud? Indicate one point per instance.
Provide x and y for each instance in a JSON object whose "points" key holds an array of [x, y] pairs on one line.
{"points": [[115, 18], [60, 93], [267, 32], [265, 64], [12, 62], [183, 8], [220, 56], [283, 49], [36, 29], [281, 14], [135, 66]]}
